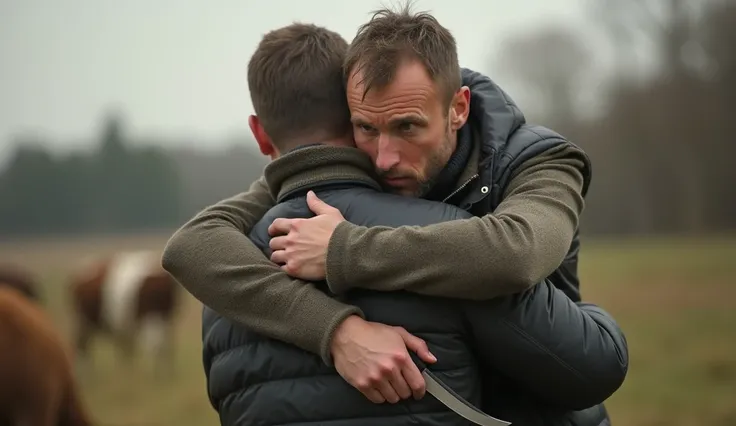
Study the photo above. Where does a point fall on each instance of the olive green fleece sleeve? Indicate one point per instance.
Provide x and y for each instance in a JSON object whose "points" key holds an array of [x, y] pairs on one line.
{"points": [[212, 257], [523, 241]]}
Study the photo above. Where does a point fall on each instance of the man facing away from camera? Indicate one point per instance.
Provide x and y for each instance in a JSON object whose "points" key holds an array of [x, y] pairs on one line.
{"points": [[517, 192]]}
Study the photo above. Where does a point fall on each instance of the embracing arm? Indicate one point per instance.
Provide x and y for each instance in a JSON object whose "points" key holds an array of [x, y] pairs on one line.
{"points": [[569, 355], [212, 257], [505, 252]]}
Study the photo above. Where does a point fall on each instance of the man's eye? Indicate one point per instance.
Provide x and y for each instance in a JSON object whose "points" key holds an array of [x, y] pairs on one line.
{"points": [[366, 128], [406, 127]]}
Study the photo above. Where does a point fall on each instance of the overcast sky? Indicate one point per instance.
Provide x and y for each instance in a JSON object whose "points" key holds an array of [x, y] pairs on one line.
{"points": [[177, 67]]}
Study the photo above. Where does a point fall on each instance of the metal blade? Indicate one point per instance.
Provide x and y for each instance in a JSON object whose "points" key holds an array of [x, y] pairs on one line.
{"points": [[457, 403]]}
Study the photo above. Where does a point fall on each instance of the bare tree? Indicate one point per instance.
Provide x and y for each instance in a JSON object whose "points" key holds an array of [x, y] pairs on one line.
{"points": [[549, 63], [671, 118], [666, 27]]}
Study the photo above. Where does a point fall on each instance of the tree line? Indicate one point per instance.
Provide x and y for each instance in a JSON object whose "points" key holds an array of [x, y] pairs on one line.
{"points": [[118, 186], [662, 148]]}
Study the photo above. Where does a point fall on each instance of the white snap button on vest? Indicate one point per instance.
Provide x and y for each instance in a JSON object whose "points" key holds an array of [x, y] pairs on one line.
{"points": [[484, 189]]}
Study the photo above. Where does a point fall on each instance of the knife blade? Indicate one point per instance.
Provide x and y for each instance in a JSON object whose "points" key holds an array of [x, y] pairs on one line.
{"points": [[457, 403]]}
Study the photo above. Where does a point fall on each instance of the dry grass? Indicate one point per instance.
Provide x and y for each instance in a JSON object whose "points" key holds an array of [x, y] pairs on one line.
{"points": [[676, 300]]}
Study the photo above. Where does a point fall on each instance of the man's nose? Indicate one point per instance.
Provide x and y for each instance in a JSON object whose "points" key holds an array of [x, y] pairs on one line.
{"points": [[388, 156]]}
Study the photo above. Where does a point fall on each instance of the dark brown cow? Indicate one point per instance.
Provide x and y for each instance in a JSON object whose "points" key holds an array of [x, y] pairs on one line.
{"points": [[37, 385], [125, 296], [15, 277]]}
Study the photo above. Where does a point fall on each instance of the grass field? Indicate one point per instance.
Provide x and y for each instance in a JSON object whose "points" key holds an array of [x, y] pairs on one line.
{"points": [[675, 299]]}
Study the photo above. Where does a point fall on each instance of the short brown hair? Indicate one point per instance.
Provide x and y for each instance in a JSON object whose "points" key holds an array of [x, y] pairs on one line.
{"points": [[391, 37], [296, 86]]}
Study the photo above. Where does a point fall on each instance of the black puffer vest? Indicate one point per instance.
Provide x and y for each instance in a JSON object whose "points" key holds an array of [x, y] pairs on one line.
{"points": [[507, 141], [254, 380]]}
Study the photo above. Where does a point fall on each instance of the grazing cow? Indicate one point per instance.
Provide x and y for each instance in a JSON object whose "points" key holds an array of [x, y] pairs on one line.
{"points": [[19, 279], [37, 385], [125, 295]]}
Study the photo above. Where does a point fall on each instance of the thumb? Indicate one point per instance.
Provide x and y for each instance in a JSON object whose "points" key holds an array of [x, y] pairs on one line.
{"points": [[318, 206], [417, 345]]}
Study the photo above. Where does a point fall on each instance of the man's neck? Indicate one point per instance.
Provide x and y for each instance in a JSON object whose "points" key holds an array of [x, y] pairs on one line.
{"points": [[343, 141], [448, 178]]}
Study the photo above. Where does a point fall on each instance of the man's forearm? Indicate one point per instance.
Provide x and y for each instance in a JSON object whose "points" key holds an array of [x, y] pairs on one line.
{"points": [[514, 248], [212, 257]]}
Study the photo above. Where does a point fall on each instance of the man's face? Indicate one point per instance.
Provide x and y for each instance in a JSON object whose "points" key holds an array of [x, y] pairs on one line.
{"points": [[406, 127]]}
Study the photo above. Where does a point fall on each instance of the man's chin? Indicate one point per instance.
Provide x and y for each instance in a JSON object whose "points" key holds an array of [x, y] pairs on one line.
{"points": [[406, 187], [402, 191]]}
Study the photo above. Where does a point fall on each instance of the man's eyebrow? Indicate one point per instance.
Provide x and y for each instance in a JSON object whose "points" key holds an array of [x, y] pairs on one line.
{"points": [[409, 118], [358, 120]]}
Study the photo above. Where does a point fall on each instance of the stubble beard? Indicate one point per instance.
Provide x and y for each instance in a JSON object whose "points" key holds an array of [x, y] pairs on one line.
{"points": [[435, 164]]}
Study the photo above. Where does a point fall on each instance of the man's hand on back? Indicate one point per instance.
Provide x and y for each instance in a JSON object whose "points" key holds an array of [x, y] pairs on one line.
{"points": [[373, 358], [300, 245]]}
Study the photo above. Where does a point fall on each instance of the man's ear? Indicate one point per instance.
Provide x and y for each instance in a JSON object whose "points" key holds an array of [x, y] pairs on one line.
{"points": [[460, 108], [262, 138]]}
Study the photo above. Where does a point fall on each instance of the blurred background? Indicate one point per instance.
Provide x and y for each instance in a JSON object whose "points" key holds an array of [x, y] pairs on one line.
{"points": [[121, 120]]}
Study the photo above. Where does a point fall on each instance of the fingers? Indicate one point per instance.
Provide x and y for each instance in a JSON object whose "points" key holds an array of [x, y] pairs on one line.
{"points": [[414, 380], [371, 389], [398, 382], [318, 206], [279, 257], [396, 388], [278, 243], [409, 370], [281, 226], [373, 395], [417, 345], [387, 391], [386, 384], [404, 378]]}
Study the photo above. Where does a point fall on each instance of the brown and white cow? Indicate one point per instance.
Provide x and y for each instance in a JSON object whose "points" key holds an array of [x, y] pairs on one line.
{"points": [[127, 296], [19, 279], [37, 384]]}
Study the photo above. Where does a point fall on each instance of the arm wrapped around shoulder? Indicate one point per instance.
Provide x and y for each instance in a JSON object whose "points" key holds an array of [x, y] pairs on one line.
{"points": [[570, 355], [504, 252], [213, 258]]}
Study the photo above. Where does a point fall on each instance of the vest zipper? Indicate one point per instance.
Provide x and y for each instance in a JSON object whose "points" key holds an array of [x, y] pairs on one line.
{"points": [[472, 178]]}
